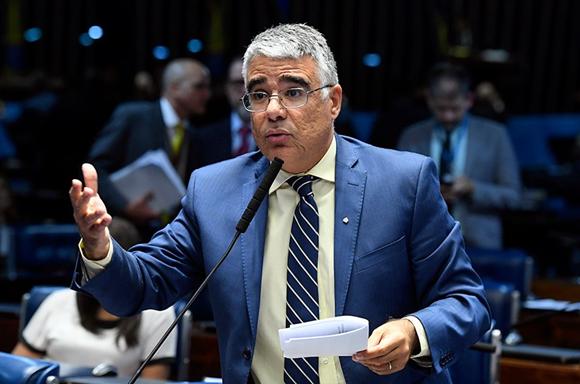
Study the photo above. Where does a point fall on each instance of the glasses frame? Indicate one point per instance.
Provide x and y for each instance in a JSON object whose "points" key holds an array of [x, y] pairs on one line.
{"points": [[280, 99]]}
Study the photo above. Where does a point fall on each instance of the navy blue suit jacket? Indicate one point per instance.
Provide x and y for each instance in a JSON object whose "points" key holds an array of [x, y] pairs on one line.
{"points": [[213, 142], [400, 253]]}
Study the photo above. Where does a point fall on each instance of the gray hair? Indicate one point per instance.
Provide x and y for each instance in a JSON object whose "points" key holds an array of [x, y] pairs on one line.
{"points": [[294, 41], [179, 70]]}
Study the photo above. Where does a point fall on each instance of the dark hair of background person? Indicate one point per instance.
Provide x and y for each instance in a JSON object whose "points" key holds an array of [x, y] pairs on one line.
{"points": [[447, 70], [126, 235]]}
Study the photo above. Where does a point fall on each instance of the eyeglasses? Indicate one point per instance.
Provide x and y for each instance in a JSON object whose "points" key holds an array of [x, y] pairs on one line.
{"points": [[289, 98]]}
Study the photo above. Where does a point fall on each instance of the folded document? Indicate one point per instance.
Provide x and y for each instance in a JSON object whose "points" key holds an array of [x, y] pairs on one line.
{"points": [[336, 336], [153, 173]]}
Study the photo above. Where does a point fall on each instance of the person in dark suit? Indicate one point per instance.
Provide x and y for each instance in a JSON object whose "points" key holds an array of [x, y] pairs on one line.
{"points": [[476, 161], [367, 230], [231, 136], [138, 127]]}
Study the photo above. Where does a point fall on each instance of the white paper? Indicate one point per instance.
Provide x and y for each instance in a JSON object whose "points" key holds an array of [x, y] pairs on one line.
{"points": [[336, 336], [154, 173]]}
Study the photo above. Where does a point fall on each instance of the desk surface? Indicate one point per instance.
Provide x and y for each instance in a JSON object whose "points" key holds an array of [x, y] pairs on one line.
{"points": [[119, 380]]}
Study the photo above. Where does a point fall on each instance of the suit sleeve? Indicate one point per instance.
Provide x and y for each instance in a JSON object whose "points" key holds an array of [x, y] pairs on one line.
{"points": [[455, 312]]}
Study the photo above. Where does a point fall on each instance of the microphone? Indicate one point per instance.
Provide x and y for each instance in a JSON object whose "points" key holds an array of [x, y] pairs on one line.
{"points": [[263, 188], [241, 227]]}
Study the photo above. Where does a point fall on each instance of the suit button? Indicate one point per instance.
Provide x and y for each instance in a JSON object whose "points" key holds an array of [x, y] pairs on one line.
{"points": [[247, 354]]}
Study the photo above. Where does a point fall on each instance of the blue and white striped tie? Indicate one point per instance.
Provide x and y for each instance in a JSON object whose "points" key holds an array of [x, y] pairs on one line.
{"points": [[302, 278]]}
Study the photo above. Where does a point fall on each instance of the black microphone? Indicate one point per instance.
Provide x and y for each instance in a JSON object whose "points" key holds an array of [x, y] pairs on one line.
{"points": [[263, 188], [241, 227]]}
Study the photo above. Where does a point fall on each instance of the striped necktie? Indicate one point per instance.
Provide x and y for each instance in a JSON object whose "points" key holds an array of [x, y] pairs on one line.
{"points": [[302, 276]]}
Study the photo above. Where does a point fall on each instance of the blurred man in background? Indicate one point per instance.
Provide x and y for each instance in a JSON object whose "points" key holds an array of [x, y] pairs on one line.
{"points": [[231, 136], [138, 127], [478, 170]]}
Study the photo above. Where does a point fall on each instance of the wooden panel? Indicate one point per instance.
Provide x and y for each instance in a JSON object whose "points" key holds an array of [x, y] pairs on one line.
{"points": [[533, 372], [9, 334], [557, 289], [205, 359]]}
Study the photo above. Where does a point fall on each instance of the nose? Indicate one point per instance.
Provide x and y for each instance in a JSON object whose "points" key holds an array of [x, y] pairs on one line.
{"points": [[275, 110]]}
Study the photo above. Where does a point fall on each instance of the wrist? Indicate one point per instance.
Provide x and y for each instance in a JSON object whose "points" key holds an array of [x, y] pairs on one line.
{"points": [[94, 250], [414, 346]]}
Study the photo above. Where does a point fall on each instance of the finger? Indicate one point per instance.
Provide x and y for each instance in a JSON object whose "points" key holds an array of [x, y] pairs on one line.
{"points": [[90, 177], [102, 222], [75, 191]]}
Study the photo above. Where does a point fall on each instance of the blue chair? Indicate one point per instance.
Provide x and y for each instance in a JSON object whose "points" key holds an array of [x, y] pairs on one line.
{"points": [[504, 302], [511, 266], [531, 135], [45, 249], [480, 363], [180, 370], [23, 370]]}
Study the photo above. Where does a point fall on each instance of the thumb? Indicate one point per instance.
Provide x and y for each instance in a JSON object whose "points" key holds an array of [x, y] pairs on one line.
{"points": [[90, 177]]}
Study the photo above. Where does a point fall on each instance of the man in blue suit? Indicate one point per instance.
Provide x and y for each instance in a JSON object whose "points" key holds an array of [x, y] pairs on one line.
{"points": [[387, 248]]}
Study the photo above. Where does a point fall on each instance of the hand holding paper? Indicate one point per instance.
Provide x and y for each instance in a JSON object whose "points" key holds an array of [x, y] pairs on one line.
{"points": [[337, 336]]}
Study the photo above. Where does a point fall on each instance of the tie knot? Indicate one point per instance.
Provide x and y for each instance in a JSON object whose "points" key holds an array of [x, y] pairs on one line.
{"points": [[302, 184], [179, 127]]}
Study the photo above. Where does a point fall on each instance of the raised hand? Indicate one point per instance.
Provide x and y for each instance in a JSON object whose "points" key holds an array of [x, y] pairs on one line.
{"points": [[90, 214]]}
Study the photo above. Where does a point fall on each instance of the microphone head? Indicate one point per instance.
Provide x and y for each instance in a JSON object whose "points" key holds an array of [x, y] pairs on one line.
{"points": [[259, 195]]}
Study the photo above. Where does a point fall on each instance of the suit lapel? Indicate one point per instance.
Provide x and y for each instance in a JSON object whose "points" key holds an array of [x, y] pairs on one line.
{"points": [[349, 195], [252, 245]]}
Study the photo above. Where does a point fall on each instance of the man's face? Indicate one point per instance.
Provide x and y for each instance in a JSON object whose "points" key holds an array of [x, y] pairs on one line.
{"points": [[448, 103], [299, 136], [192, 94], [235, 89]]}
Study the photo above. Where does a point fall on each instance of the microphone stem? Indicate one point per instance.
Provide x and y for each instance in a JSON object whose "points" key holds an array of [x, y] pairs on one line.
{"points": [[187, 306]]}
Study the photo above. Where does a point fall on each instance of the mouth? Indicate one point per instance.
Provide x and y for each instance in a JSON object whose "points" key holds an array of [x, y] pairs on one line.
{"points": [[277, 137]]}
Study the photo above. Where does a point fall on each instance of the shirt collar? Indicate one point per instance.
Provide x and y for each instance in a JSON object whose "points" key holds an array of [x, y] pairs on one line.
{"points": [[236, 122], [324, 169], [440, 131], [169, 115]]}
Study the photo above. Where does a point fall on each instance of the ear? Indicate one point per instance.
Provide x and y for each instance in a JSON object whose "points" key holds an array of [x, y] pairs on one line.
{"points": [[335, 96]]}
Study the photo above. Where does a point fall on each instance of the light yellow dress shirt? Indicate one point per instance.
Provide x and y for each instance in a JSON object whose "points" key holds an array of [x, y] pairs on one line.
{"points": [[268, 362]]}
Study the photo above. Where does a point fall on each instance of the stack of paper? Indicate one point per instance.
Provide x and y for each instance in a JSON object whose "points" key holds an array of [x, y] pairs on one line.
{"points": [[336, 336], [153, 173]]}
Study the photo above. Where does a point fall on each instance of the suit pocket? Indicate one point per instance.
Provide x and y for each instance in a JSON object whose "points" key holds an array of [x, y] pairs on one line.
{"points": [[381, 255]]}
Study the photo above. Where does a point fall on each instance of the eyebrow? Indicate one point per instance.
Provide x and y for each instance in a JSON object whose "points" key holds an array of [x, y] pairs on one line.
{"points": [[295, 79], [254, 82], [287, 78]]}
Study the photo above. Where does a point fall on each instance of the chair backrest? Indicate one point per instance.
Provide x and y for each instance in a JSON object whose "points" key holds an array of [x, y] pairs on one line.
{"points": [[180, 371], [504, 302], [480, 363], [23, 370], [512, 266], [32, 300], [46, 248]]}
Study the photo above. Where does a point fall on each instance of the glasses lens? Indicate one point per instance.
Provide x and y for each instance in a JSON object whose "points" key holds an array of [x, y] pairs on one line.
{"points": [[294, 97]]}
